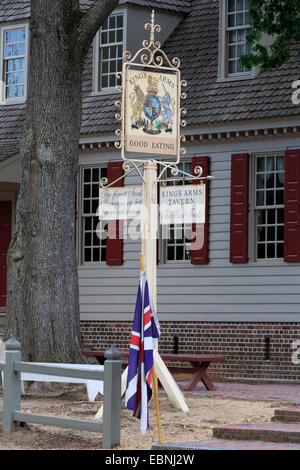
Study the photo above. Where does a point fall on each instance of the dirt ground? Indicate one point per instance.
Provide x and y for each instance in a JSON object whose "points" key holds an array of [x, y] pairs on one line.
{"points": [[70, 400]]}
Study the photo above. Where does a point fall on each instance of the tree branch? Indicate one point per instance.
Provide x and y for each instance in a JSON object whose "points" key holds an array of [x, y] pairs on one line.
{"points": [[91, 22]]}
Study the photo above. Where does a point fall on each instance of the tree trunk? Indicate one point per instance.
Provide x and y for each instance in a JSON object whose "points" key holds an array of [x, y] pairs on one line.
{"points": [[42, 297]]}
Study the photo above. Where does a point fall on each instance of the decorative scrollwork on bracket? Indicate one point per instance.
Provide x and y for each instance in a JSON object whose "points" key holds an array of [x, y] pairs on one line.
{"points": [[103, 182], [198, 170], [118, 133], [174, 170]]}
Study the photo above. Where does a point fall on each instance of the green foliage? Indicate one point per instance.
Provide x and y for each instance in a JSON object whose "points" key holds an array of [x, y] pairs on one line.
{"points": [[279, 19]]}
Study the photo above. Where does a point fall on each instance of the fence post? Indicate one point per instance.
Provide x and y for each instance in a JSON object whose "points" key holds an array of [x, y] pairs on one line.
{"points": [[112, 398], [12, 384]]}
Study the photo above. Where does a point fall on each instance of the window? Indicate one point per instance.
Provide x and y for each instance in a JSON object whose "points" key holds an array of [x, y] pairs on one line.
{"points": [[109, 47], [14, 55], [93, 231], [235, 24], [177, 238], [269, 206]]}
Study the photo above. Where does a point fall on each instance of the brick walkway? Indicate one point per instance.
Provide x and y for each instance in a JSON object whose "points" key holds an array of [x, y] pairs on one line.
{"points": [[270, 392], [280, 393], [220, 444]]}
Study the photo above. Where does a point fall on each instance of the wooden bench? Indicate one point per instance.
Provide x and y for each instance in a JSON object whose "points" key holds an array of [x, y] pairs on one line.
{"points": [[198, 370]]}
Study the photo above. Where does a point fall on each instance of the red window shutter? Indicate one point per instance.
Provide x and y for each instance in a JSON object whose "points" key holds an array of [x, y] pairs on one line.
{"points": [[292, 206], [200, 256], [114, 245], [239, 208]]}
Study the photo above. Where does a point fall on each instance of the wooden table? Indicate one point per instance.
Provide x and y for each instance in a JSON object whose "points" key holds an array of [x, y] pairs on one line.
{"points": [[198, 370]]}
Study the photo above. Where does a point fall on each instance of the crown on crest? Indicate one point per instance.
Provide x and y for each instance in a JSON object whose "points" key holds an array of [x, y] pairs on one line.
{"points": [[152, 85]]}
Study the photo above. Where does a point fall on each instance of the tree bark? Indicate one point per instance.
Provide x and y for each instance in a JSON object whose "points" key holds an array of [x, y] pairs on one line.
{"points": [[42, 297]]}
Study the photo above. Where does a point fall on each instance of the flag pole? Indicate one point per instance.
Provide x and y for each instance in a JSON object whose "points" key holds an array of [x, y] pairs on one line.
{"points": [[154, 378]]}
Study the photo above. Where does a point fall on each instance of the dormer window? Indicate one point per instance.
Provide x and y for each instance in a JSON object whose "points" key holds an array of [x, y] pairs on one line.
{"points": [[108, 51], [14, 54], [234, 27]]}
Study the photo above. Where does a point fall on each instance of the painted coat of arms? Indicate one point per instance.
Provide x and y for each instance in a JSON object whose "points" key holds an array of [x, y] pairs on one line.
{"points": [[151, 113]]}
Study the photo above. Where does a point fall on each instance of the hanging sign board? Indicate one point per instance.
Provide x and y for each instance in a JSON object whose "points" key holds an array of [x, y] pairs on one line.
{"points": [[151, 112], [120, 203], [182, 204]]}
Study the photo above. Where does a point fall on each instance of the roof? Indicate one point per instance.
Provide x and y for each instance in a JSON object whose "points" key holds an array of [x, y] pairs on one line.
{"points": [[195, 42], [14, 10], [173, 5]]}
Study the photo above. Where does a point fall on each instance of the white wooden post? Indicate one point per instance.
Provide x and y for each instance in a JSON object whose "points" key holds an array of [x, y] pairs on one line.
{"points": [[149, 251]]}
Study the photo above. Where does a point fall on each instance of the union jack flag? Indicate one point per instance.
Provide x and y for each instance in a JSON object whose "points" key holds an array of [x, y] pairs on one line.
{"points": [[145, 333]]}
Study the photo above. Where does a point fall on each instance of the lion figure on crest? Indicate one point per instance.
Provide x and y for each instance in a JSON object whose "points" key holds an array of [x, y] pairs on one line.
{"points": [[137, 105]]}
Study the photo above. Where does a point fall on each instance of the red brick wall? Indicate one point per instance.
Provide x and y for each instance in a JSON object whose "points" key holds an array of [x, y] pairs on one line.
{"points": [[243, 344]]}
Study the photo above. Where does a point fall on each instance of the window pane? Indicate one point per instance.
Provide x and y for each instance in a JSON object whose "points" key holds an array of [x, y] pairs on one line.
{"points": [[270, 198], [260, 181], [231, 20], [280, 216], [104, 38], [119, 35], [112, 22], [120, 21], [261, 217], [270, 180], [88, 255], [279, 180], [112, 81], [179, 252], [232, 51], [239, 5], [279, 250], [88, 239], [112, 36], [232, 36], [96, 254], [105, 53], [270, 164], [105, 82], [260, 200], [232, 66], [261, 236], [113, 52], [260, 161], [15, 36], [271, 250], [279, 197], [231, 5], [87, 207], [271, 216], [239, 19], [261, 251], [271, 234], [279, 163], [171, 253], [87, 191], [8, 51], [280, 233]]}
